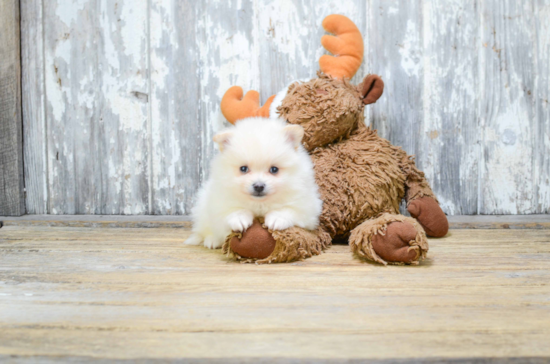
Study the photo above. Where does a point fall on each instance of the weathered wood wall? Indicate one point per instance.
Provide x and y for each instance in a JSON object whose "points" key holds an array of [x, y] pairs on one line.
{"points": [[121, 97], [11, 142]]}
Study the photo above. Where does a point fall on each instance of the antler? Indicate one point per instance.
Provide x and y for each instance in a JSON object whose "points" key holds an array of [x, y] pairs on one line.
{"points": [[235, 107], [347, 47]]}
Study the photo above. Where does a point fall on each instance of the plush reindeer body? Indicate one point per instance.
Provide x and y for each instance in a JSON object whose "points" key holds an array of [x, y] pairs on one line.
{"points": [[358, 177], [362, 177]]}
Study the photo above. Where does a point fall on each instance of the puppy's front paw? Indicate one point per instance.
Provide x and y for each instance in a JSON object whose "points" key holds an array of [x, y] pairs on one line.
{"points": [[211, 242], [240, 220], [194, 239], [278, 221]]}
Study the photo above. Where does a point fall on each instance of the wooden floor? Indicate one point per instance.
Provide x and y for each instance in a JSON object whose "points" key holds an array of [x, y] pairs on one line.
{"points": [[78, 294]]}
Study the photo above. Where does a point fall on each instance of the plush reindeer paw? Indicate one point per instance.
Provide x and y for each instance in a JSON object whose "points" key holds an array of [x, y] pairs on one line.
{"points": [[429, 214], [394, 246], [261, 245], [255, 243], [394, 239]]}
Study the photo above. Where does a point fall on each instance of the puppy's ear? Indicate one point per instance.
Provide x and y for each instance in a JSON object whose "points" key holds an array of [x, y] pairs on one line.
{"points": [[294, 134], [222, 139]]}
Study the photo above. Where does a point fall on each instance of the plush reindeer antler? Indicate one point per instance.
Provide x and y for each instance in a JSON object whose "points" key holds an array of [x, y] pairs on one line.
{"points": [[235, 107], [346, 45]]}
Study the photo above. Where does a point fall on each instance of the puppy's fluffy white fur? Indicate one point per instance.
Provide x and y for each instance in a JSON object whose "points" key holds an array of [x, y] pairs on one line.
{"points": [[230, 200]]}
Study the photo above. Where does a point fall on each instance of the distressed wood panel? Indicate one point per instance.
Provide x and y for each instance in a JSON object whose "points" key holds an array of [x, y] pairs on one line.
{"points": [[541, 137], [96, 75], [394, 35], [35, 133], [120, 117], [83, 294], [507, 108], [175, 95], [448, 136], [11, 148], [541, 221]]}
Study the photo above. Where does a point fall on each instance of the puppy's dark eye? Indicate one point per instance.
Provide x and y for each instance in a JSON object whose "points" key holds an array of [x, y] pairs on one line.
{"points": [[273, 170], [244, 169]]}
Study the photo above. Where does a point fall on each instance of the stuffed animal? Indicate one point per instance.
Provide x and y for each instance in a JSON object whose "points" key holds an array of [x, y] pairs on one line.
{"points": [[362, 177]]}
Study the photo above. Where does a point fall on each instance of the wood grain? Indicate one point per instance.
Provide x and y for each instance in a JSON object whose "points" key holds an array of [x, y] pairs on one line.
{"points": [[35, 134], [121, 100], [508, 114], [541, 137], [395, 49], [96, 77], [448, 136], [70, 293], [11, 142], [175, 221], [175, 95]]}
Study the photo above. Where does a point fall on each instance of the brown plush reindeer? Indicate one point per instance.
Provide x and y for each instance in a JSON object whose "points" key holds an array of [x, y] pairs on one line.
{"points": [[362, 177]]}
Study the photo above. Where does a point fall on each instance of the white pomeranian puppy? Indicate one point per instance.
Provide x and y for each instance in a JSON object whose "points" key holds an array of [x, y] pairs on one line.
{"points": [[262, 170]]}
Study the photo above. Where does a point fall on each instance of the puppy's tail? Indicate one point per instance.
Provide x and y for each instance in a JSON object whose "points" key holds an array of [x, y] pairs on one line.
{"points": [[194, 239]]}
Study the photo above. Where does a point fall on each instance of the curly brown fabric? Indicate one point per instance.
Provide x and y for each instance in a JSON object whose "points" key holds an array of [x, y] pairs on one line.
{"points": [[328, 109], [290, 245], [358, 178], [361, 239]]}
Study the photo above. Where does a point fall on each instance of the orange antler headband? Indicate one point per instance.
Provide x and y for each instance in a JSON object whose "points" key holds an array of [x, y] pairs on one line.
{"points": [[346, 45], [235, 107]]}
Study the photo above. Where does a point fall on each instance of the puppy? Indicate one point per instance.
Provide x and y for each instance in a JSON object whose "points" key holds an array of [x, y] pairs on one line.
{"points": [[262, 170]]}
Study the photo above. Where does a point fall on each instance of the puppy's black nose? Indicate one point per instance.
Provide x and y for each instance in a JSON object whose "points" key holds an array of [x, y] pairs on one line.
{"points": [[258, 187]]}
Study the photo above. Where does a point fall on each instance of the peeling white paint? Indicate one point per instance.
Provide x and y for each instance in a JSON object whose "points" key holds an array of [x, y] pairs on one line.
{"points": [[410, 49], [68, 13], [132, 93]]}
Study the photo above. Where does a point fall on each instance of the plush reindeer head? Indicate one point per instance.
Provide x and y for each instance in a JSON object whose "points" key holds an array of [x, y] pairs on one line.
{"points": [[329, 108]]}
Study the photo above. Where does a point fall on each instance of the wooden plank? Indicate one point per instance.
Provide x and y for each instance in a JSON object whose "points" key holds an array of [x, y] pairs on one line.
{"points": [[507, 109], [114, 294], [99, 221], [395, 53], [541, 137], [462, 360], [500, 222], [97, 106], [33, 104], [175, 95], [148, 221], [449, 132], [11, 142]]}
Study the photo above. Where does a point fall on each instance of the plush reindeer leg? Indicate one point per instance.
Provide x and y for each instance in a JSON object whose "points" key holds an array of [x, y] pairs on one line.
{"points": [[261, 245], [421, 201], [389, 238]]}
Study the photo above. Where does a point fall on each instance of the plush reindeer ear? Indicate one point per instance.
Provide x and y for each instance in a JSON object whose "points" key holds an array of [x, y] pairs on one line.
{"points": [[294, 134], [222, 139], [372, 89]]}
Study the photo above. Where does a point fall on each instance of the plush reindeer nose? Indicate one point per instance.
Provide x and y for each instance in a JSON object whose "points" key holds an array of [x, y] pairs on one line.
{"points": [[258, 187]]}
